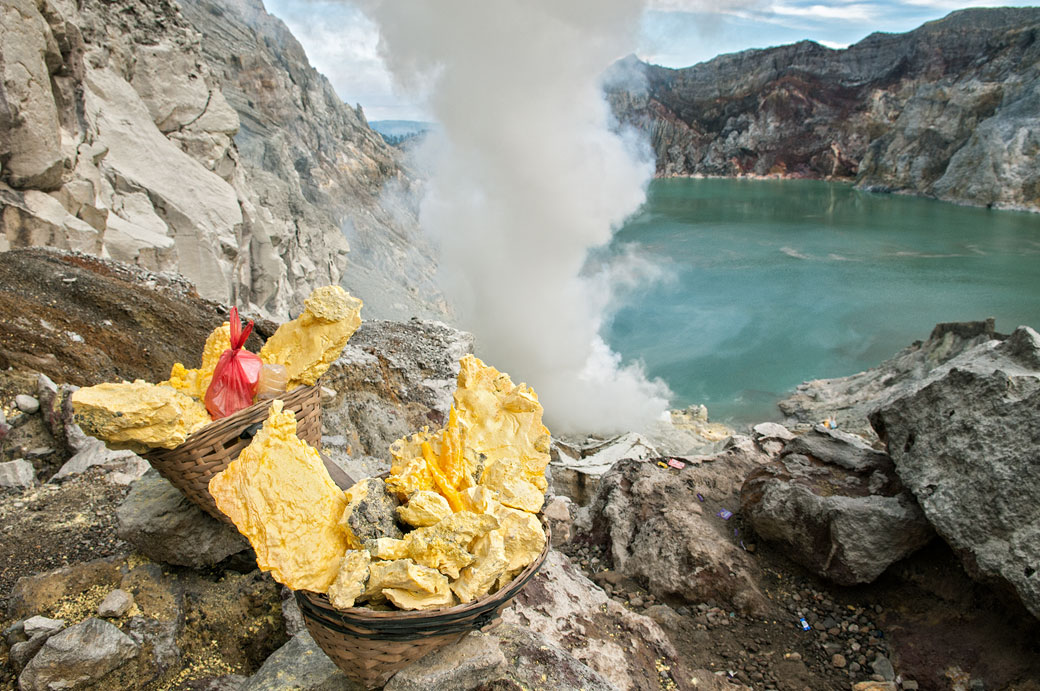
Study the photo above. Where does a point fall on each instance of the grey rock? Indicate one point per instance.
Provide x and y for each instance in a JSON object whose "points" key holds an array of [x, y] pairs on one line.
{"points": [[578, 468], [15, 633], [291, 614], [658, 533], [883, 666], [851, 399], [772, 430], [21, 653], [301, 665], [228, 682], [34, 626], [116, 604], [27, 404], [160, 637], [164, 525], [17, 474], [835, 506], [536, 662], [474, 660], [558, 513], [392, 379], [560, 601], [963, 445], [122, 467], [80, 654]]}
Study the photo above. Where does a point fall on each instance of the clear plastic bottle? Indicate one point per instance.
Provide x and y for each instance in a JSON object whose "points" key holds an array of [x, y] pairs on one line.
{"points": [[273, 379]]}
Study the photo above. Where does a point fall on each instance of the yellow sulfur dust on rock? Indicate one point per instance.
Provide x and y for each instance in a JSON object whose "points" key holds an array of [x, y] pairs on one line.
{"points": [[309, 344], [387, 548], [476, 579], [351, 579], [370, 512], [138, 416], [424, 508], [408, 475], [279, 495], [194, 382]]}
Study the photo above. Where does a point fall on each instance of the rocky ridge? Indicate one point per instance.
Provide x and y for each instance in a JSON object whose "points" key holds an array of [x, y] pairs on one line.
{"points": [[126, 133], [948, 110]]}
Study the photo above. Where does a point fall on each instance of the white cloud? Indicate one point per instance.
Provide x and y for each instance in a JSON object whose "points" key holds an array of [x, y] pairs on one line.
{"points": [[857, 12], [833, 45]]}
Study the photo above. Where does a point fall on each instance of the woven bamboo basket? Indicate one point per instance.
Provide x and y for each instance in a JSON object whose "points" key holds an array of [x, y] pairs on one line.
{"points": [[370, 646], [190, 466]]}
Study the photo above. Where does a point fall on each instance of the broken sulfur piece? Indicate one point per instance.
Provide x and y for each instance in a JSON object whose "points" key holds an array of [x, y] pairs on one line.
{"points": [[445, 546], [138, 416], [424, 508], [280, 496], [351, 579], [408, 585], [309, 344], [195, 382], [476, 579]]}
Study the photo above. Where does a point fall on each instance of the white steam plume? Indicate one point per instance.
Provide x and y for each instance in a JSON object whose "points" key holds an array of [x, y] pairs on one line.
{"points": [[529, 177]]}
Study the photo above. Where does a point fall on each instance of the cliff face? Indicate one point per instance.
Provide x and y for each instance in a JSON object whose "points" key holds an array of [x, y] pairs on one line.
{"points": [[950, 110], [222, 155]]}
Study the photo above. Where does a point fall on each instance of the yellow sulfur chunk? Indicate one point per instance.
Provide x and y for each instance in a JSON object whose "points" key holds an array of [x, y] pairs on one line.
{"points": [[309, 344], [409, 476], [524, 537], [507, 478], [482, 499], [446, 545], [476, 579], [423, 509], [404, 575], [279, 495], [194, 382], [502, 421], [369, 513], [351, 579], [408, 599], [138, 416], [387, 548]]}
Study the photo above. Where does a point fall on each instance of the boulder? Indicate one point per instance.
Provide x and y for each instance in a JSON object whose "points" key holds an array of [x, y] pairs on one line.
{"points": [[392, 379], [158, 520], [572, 612], [966, 445], [661, 527], [835, 506], [536, 662], [80, 654], [122, 467], [301, 665], [116, 604]]}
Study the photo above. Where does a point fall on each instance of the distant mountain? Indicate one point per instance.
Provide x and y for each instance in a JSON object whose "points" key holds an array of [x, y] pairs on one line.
{"points": [[950, 110], [400, 132]]}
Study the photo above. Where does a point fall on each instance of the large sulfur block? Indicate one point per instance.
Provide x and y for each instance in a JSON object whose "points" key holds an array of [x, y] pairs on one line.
{"points": [[446, 545], [477, 579], [279, 495], [309, 344], [351, 580], [508, 478], [138, 416], [424, 508]]}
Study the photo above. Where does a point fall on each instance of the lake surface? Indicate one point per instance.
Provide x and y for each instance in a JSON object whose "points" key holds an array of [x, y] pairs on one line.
{"points": [[771, 283]]}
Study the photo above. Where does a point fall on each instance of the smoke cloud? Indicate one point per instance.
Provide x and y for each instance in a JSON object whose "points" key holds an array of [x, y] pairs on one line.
{"points": [[528, 177]]}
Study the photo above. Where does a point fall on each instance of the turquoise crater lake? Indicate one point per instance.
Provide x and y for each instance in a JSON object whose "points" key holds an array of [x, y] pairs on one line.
{"points": [[771, 283]]}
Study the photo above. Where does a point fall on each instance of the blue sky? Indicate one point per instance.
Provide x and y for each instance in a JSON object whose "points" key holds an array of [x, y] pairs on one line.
{"points": [[343, 44]]}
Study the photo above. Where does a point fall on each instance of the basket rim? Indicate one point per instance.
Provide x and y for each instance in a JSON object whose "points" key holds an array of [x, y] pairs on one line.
{"points": [[398, 619]]}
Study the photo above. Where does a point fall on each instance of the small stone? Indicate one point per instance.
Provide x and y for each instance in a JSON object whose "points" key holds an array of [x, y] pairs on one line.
{"points": [[116, 604], [37, 625], [883, 666], [854, 667], [636, 601], [909, 685], [27, 404], [838, 660], [793, 656], [17, 474]]}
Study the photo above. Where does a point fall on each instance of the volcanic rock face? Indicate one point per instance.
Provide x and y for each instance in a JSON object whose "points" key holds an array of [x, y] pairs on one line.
{"points": [[949, 110], [116, 139], [967, 445]]}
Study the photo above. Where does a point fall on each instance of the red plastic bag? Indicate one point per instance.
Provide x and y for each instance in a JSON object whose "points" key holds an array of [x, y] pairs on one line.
{"points": [[236, 374]]}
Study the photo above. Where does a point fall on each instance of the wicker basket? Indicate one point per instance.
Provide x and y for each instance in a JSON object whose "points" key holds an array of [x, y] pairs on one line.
{"points": [[370, 647], [190, 466]]}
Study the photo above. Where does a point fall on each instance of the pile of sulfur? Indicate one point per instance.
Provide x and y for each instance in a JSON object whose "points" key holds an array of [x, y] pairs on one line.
{"points": [[140, 416], [454, 520]]}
